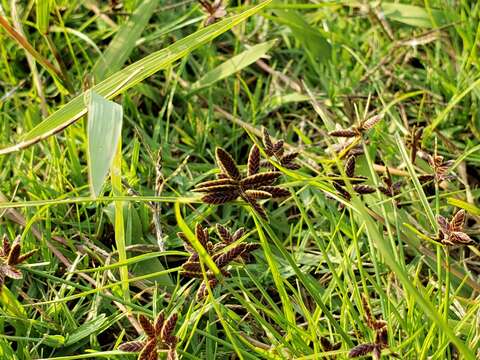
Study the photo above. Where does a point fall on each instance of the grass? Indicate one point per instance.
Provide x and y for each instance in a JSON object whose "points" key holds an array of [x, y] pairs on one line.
{"points": [[296, 68]]}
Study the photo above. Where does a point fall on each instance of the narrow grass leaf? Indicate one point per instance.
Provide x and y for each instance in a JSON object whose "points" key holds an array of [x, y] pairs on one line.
{"points": [[124, 41], [233, 65]]}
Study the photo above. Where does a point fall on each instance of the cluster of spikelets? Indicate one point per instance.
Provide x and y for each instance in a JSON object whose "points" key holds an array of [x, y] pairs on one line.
{"points": [[256, 185], [222, 253], [160, 338], [381, 336], [10, 257]]}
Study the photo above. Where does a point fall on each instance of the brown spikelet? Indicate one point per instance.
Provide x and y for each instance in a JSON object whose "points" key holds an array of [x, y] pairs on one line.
{"points": [[341, 190], [132, 346], [288, 158], [459, 238], [350, 167], [192, 266], [219, 198], [158, 324], [218, 182], [229, 256], [168, 328], [276, 192], [361, 350], [253, 161], [227, 164], [456, 224], [146, 326], [327, 344], [343, 133], [217, 188], [251, 247], [425, 178], [238, 234], [11, 272], [258, 194], [262, 179], [149, 348], [14, 252], [278, 148], [5, 246], [259, 209], [26, 256], [267, 143], [201, 236], [371, 122], [224, 234], [192, 274], [363, 189]]}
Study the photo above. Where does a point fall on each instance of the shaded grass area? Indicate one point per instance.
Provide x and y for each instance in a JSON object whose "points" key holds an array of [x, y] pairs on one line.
{"points": [[326, 278]]}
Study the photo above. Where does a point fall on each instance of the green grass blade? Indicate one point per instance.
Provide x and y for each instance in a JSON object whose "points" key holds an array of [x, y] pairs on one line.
{"points": [[124, 41], [233, 65]]}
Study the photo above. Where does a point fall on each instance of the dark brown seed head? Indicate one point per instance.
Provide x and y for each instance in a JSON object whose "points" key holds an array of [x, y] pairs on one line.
{"points": [[217, 188], [14, 253], [261, 179], [5, 246], [456, 224], [220, 198], [370, 123], [132, 346], [201, 235], [259, 209], [258, 194], [253, 161], [278, 148], [146, 326], [149, 350], [238, 234], [230, 255], [192, 266], [158, 324], [361, 350], [363, 189], [168, 328], [350, 167], [224, 234], [347, 133], [275, 191], [267, 142], [226, 164], [288, 158]]}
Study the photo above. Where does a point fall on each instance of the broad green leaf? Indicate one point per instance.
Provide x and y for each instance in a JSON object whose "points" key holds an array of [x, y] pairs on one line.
{"points": [[85, 330], [104, 130], [310, 37], [234, 64], [129, 77], [413, 15], [124, 41]]}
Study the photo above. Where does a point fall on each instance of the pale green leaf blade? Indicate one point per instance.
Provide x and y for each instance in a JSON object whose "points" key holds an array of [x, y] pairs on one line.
{"points": [[104, 130], [235, 64]]}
